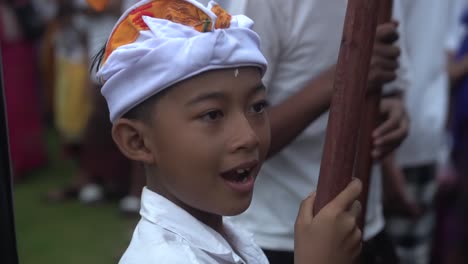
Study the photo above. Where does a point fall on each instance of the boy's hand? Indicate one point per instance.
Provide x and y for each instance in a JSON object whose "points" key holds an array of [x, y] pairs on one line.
{"points": [[332, 236], [393, 129], [384, 61]]}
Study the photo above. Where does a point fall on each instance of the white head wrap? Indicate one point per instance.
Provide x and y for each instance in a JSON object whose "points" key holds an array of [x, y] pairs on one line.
{"points": [[165, 53]]}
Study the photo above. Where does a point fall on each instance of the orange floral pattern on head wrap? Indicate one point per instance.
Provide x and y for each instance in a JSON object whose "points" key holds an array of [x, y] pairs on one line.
{"points": [[223, 18], [177, 11]]}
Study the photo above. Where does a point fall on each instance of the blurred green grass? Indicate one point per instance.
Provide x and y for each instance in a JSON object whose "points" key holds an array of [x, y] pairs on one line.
{"points": [[67, 232]]}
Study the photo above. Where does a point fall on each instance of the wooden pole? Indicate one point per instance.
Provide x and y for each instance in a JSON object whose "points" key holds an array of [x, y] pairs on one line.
{"points": [[349, 93], [363, 164]]}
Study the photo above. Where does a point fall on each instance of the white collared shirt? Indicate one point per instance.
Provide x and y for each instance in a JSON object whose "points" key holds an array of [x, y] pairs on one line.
{"points": [[167, 234]]}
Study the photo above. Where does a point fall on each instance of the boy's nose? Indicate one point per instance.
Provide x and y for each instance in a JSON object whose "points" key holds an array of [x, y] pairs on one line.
{"points": [[243, 136]]}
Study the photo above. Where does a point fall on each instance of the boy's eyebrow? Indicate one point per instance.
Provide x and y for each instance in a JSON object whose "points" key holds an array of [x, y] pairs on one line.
{"points": [[258, 88], [206, 96], [220, 95]]}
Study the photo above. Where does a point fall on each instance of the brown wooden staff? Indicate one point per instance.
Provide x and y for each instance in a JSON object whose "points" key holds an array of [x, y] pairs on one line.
{"points": [[349, 96], [363, 164]]}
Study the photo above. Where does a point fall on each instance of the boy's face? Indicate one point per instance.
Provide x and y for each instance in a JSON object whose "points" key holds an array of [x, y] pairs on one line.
{"points": [[209, 136]]}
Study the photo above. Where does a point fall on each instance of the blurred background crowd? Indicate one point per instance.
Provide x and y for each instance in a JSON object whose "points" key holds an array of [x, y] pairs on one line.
{"points": [[65, 165], [47, 48]]}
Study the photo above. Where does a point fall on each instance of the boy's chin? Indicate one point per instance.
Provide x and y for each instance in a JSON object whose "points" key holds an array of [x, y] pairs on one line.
{"points": [[237, 209]]}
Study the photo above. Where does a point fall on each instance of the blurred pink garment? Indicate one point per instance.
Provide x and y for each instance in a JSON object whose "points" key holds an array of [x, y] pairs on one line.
{"points": [[22, 96]]}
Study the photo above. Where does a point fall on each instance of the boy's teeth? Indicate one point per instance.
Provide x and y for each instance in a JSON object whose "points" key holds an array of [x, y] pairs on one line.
{"points": [[240, 171]]}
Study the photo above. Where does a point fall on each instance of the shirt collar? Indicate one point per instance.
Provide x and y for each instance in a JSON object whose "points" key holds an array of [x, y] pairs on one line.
{"points": [[162, 212]]}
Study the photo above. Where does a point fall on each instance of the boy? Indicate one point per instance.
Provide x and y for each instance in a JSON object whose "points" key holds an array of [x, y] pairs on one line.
{"points": [[183, 86]]}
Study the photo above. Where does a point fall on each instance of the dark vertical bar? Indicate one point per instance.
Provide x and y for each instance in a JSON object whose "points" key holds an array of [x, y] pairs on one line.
{"points": [[8, 250], [346, 108]]}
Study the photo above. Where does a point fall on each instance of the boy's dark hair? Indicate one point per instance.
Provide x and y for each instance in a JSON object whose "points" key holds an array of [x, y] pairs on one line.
{"points": [[97, 59], [142, 111]]}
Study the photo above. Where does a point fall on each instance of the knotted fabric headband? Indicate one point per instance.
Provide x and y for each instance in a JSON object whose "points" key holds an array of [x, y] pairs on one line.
{"points": [[157, 43]]}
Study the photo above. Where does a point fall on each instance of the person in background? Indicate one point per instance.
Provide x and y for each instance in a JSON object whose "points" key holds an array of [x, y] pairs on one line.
{"points": [[72, 102], [301, 41], [103, 172], [451, 236], [426, 28], [19, 30]]}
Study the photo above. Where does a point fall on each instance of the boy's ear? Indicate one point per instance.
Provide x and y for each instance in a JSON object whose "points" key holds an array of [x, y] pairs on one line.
{"points": [[129, 137]]}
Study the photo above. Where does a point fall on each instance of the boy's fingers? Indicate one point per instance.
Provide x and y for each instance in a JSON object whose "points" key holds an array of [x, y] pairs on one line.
{"points": [[306, 208], [356, 209], [351, 193], [356, 250]]}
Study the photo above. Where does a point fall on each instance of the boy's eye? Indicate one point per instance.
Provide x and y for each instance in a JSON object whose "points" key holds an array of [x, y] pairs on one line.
{"points": [[260, 107], [212, 115]]}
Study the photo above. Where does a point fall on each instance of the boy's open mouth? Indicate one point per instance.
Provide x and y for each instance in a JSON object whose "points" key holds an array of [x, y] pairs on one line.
{"points": [[241, 177]]}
